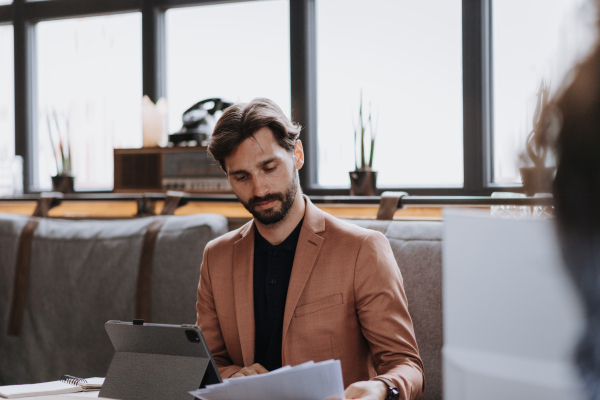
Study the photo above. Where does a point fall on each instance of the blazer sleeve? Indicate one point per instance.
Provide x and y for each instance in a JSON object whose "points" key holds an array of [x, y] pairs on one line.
{"points": [[383, 313], [208, 321]]}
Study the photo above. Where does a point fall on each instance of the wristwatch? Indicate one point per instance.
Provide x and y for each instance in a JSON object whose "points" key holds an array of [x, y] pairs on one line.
{"points": [[392, 391]]}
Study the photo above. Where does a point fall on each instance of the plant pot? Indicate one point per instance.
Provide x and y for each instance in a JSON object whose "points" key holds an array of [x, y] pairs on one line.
{"points": [[63, 183], [363, 183], [537, 179]]}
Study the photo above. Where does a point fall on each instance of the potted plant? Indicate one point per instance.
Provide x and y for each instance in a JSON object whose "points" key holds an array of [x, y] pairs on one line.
{"points": [[539, 178], [64, 180], [363, 180]]}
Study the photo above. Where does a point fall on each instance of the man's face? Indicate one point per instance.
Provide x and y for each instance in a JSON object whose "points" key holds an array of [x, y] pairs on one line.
{"points": [[264, 176]]}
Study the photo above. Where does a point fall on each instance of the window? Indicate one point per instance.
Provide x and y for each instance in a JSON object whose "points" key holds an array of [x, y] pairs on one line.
{"points": [[218, 51], [412, 61], [406, 57], [532, 40], [7, 93], [89, 74]]}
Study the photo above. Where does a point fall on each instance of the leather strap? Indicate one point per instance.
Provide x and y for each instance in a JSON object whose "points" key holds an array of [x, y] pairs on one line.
{"points": [[21, 278], [173, 200], [389, 204], [46, 201], [144, 280]]}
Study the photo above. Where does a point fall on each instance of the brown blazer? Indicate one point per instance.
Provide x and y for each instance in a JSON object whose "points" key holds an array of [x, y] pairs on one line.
{"points": [[345, 301]]}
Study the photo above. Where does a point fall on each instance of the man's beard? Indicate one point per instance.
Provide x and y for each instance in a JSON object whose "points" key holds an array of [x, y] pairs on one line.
{"points": [[273, 215]]}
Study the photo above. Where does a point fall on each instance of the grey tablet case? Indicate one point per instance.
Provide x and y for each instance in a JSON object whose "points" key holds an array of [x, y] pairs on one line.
{"points": [[157, 362]]}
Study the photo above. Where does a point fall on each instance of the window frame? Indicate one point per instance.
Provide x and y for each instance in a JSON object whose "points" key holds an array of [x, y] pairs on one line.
{"points": [[477, 87]]}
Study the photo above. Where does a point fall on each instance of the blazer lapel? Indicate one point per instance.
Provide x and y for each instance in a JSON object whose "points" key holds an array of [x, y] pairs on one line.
{"points": [[307, 250], [243, 288]]}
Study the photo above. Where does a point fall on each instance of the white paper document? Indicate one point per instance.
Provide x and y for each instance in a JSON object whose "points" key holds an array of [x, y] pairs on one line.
{"points": [[309, 381]]}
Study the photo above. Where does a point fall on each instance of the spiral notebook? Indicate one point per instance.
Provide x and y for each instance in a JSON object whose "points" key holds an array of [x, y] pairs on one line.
{"points": [[67, 384]]}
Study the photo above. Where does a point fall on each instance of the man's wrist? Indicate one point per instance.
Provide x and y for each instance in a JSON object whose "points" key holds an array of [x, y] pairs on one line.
{"points": [[232, 370], [392, 390]]}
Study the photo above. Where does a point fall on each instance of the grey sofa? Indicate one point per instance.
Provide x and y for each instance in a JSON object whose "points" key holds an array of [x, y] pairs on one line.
{"points": [[417, 247], [84, 273]]}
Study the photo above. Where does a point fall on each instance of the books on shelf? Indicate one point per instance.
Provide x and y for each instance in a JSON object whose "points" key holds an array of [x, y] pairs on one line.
{"points": [[67, 384]]}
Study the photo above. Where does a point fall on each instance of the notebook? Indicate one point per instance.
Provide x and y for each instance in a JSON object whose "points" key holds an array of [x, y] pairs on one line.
{"points": [[67, 384]]}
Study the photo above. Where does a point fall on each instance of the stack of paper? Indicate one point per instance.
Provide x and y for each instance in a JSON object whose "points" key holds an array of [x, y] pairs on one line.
{"points": [[308, 381], [43, 389]]}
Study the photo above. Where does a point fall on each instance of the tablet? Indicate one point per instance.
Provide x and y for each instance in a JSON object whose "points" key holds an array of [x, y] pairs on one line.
{"points": [[157, 362]]}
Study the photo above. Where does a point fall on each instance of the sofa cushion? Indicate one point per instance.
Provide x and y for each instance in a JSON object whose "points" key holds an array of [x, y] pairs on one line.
{"points": [[84, 273], [417, 248]]}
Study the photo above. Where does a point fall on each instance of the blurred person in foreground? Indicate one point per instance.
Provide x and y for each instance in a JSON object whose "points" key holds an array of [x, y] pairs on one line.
{"points": [[295, 284], [577, 199]]}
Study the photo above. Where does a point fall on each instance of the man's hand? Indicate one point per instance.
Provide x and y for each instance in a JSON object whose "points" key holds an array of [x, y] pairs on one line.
{"points": [[254, 369], [366, 390]]}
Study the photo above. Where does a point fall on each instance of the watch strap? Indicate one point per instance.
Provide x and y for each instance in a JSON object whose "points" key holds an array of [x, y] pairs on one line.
{"points": [[392, 390]]}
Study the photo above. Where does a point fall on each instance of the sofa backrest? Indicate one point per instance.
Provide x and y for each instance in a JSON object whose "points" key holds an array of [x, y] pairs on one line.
{"points": [[84, 273], [417, 247]]}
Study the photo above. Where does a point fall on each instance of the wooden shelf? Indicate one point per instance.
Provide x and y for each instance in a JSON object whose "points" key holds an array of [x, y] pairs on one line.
{"points": [[124, 209]]}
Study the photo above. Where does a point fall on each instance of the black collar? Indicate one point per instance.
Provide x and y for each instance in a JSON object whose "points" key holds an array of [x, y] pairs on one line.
{"points": [[261, 245]]}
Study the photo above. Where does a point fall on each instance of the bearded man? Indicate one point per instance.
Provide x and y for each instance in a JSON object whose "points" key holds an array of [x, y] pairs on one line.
{"points": [[295, 284]]}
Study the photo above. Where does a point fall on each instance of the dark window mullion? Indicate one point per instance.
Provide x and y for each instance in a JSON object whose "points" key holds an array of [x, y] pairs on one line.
{"points": [[165, 4], [475, 96], [153, 50], [487, 93], [25, 116], [304, 84], [58, 9], [6, 14]]}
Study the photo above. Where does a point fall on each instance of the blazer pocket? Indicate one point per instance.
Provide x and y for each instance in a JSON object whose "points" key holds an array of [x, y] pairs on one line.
{"points": [[327, 302]]}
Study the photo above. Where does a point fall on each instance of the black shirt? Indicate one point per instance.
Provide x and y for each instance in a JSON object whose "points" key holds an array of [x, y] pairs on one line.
{"points": [[272, 271]]}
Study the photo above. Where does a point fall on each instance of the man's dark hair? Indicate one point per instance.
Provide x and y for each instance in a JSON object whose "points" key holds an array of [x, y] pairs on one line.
{"points": [[241, 121]]}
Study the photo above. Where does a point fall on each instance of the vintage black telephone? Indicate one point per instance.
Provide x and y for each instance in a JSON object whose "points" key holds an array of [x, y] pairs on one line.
{"points": [[199, 122]]}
